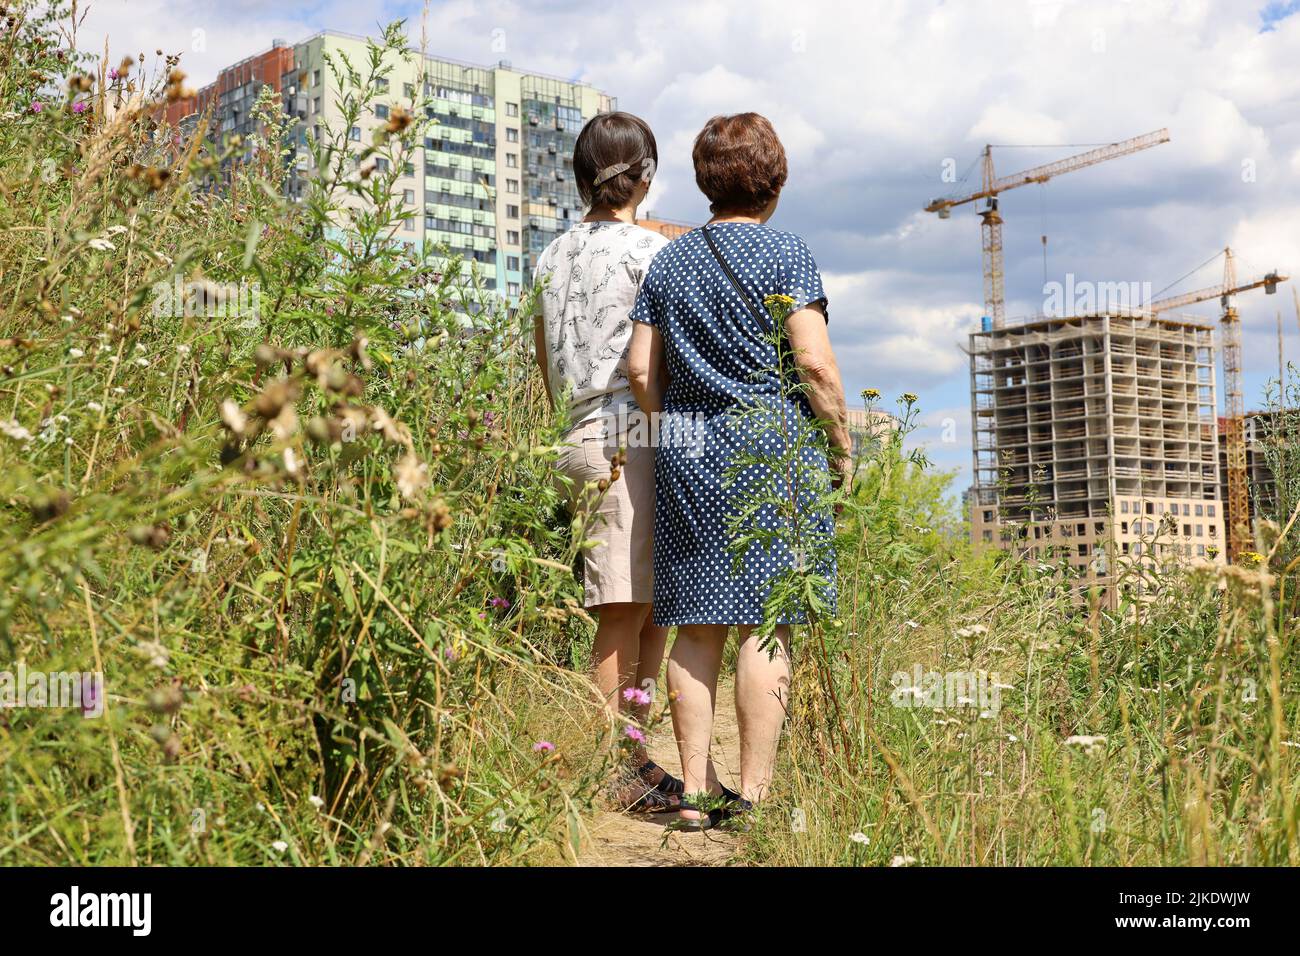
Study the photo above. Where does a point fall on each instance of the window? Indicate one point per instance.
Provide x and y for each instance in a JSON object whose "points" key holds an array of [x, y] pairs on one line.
{"points": [[512, 185], [381, 164], [354, 134], [381, 111], [512, 212], [512, 237], [408, 196], [512, 160], [1187, 531], [315, 104], [408, 168], [988, 535], [1200, 510], [1187, 510], [1200, 531], [1123, 507], [408, 225], [315, 77], [408, 90], [512, 288], [512, 135], [512, 263], [381, 84], [512, 109], [1210, 510]]}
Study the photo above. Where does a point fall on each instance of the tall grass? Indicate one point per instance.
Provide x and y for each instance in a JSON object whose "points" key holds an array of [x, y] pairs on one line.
{"points": [[313, 547], [1160, 733]]}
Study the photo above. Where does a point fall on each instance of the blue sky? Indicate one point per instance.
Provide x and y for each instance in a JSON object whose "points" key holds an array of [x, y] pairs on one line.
{"points": [[874, 99]]}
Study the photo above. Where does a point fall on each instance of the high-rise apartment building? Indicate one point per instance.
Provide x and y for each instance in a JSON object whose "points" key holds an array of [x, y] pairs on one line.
{"points": [[492, 179], [231, 96], [1095, 440]]}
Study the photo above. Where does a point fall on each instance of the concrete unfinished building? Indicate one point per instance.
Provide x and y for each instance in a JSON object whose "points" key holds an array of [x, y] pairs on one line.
{"points": [[1092, 432]]}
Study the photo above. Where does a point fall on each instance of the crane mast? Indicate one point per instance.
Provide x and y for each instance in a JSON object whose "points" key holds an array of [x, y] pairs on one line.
{"points": [[1237, 518], [991, 219]]}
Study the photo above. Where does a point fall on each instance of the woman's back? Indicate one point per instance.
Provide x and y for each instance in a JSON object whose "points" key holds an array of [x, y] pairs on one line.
{"points": [[717, 352], [593, 272]]}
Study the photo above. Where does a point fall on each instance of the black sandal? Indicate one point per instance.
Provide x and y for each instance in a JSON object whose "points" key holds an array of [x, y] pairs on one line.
{"points": [[707, 820], [729, 812], [653, 801], [667, 785]]}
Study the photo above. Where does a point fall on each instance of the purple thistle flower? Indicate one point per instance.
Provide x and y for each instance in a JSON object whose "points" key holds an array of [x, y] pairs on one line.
{"points": [[112, 73], [636, 696], [37, 106], [499, 602], [634, 734], [79, 107], [544, 746]]}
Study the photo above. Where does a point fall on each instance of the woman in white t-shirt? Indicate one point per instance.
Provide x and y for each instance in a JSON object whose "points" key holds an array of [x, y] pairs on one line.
{"points": [[592, 274]]}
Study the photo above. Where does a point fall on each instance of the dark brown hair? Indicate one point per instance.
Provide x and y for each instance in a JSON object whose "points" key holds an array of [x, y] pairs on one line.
{"points": [[739, 163], [609, 139]]}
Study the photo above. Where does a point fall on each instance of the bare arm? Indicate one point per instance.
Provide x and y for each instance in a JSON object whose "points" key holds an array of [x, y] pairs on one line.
{"points": [[539, 348], [646, 370], [806, 330]]}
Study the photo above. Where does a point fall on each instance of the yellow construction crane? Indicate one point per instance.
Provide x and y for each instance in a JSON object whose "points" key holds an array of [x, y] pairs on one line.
{"points": [[991, 220], [1234, 419]]}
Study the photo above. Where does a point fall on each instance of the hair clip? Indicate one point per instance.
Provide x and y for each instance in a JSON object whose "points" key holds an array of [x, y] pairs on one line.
{"points": [[609, 172], [647, 169]]}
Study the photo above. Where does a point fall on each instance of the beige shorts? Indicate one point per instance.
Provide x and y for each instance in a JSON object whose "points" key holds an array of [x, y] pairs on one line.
{"points": [[620, 566]]}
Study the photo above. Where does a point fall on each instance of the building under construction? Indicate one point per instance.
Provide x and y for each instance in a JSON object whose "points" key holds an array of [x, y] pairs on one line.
{"points": [[1095, 439]]}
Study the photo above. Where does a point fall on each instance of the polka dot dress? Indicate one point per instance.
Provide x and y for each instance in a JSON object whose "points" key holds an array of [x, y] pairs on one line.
{"points": [[718, 363]]}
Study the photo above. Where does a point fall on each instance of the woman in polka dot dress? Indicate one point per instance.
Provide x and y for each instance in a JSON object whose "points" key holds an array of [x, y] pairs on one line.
{"points": [[700, 353]]}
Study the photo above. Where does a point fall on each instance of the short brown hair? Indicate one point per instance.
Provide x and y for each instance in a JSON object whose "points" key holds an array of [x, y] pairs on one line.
{"points": [[610, 139], [739, 163]]}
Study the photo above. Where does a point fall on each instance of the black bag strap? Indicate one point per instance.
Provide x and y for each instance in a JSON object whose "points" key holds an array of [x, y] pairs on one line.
{"points": [[764, 320]]}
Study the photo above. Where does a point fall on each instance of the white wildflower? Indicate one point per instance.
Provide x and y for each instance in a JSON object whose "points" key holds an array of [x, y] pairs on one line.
{"points": [[102, 244], [279, 846], [860, 837], [902, 861], [76, 353], [15, 431], [233, 417], [316, 801]]}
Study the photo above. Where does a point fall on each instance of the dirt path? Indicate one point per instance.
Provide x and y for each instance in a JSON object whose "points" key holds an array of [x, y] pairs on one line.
{"points": [[628, 839]]}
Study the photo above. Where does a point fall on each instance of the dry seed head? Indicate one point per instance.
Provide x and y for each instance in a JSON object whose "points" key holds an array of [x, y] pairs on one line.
{"points": [[398, 120]]}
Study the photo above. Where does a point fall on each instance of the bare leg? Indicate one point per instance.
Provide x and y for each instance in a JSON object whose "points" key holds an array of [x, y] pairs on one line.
{"points": [[615, 654], [762, 696], [653, 639], [693, 666]]}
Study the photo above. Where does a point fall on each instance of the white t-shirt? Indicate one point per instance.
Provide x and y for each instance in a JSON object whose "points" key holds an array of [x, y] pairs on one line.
{"points": [[595, 271]]}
